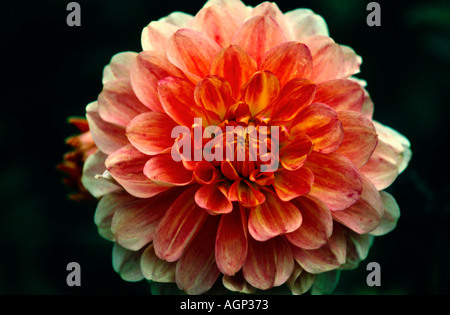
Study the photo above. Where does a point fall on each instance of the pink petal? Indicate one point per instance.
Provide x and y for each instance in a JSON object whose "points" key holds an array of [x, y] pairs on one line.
{"points": [[342, 94], [117, 103], [317, 224], [336, 181], [196, 270], [352, 61], [107, 137], [150, 132], [365, 214], [126, 167], [273, 217], [192, 52], [258, 35], [360, 138], [268, 264], [304, 22], [155, 35], [119, 67], [148, 68], [231, 241], [178, 226], [162, 169]]}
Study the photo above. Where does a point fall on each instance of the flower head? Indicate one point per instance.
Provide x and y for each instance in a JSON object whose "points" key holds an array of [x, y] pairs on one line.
{"points": [[238, 146]]}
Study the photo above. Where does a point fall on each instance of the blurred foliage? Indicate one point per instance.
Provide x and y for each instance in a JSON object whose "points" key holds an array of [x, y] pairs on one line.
{"points": [[54, 71]]}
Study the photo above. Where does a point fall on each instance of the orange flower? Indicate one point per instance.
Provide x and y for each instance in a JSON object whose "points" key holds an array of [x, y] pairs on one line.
{"points": [[177, 218]]}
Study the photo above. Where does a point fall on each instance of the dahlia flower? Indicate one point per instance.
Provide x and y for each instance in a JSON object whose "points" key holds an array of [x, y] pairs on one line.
{"points": [[308, 203]]}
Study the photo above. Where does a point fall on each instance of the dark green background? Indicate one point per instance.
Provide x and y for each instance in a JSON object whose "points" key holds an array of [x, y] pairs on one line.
{"points": [[51, 71]]}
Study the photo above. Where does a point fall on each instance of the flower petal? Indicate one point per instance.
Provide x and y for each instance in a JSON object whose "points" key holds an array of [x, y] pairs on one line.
{"points": [[231, 241], [95, 165], [178, 226], [342, 94], [107, 137], [336, 181], [352, 61], [155, 35], [271, 9], [300, 281], [390, 216], [177, 99], [305, 22], [117, 103], [236, 7], [328, 58], [119, 67], [155, 269], [268, 264], [192, 52], [196, 270], [258, 35], [360, 137], [126, 263], [214, 94], [288, 61], [135, 219], [126, 167], [234, 65], [273, 217], [320, 122], [104, 214], [150, 132], [294, 155], [291, 184], [328, 257], [296, 95], [216, 22], [213, 197], [365, 214], [317, 224], [390, 158], [245, 192], [260, 90], [148, 68], [237, 283], [163, 170]]}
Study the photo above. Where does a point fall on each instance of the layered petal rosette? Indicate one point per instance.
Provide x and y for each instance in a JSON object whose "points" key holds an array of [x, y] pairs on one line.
{"points": [[237, 147]]}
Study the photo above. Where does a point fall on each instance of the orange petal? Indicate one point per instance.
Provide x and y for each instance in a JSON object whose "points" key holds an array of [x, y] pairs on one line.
{"points": [[340, 94], [107, 137], [365, 214], [126, 167], [268, 264], [328, 58], [360, 137], [273, 217], [291, 184], [162, 169], [294, 154], [328, 257], [317, 224], [196, 270], [245, 192], [320, 122], [231, 241], [206, 173], [258, 35], [150, 132], [216, 22], [192, 52], [288, 61], [214, 94], [336, 180], [260, 91], [296, 95], [117, 103], [234, 65], [177, 99], [213, 197], [262, 178], [147, 70], [135, 219], [228, 170], [178, 226]]}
